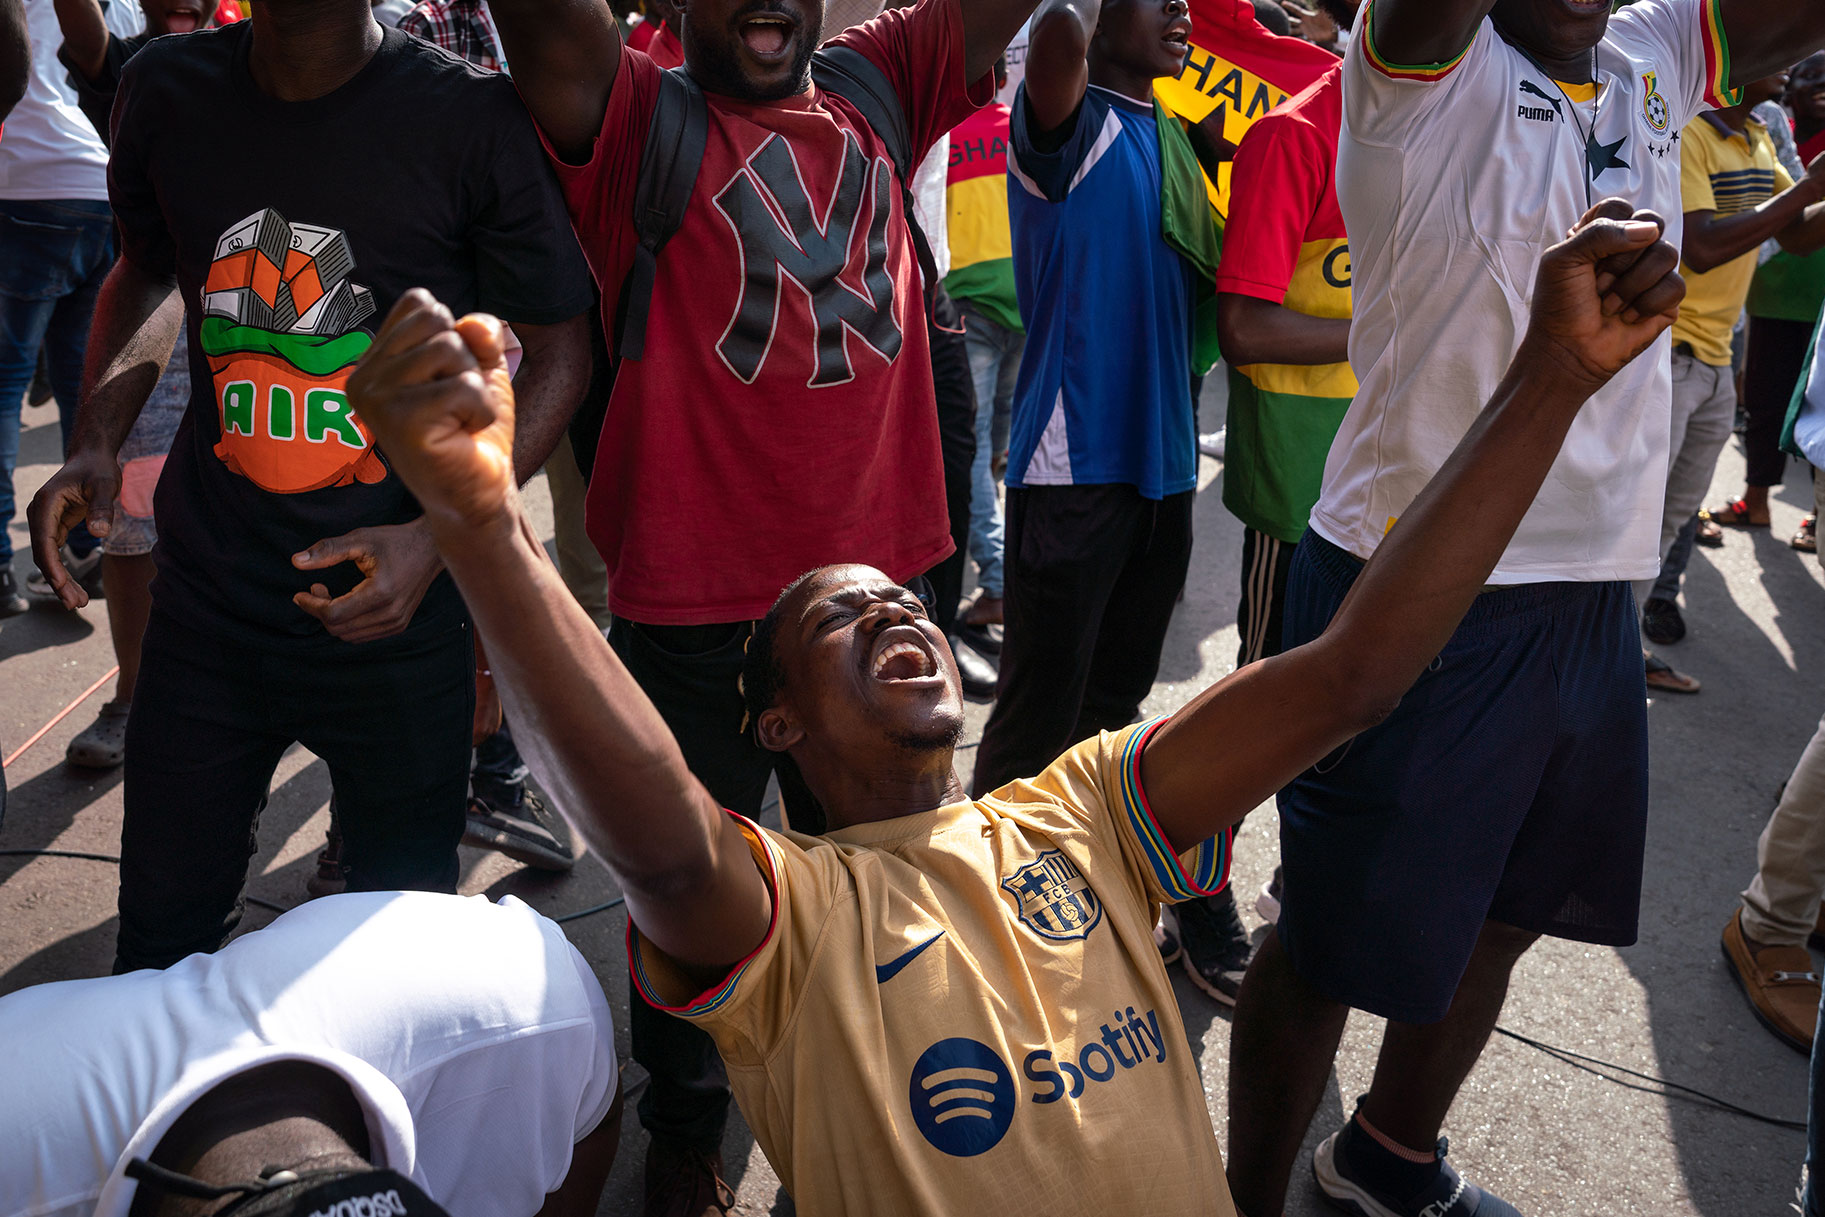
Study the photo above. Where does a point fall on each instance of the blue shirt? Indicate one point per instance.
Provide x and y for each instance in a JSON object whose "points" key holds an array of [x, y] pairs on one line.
{"points": [[1104, 394]]}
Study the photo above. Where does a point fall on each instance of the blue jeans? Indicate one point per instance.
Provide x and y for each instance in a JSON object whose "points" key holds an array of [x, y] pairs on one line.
{"points": [[1673, 566], [994, 352], [53, 257]]}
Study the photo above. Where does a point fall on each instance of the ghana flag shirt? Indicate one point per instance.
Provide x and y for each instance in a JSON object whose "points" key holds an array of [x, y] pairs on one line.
{"points": [[291, 228], [982, 247], [1285, 244], [963, 1011]]}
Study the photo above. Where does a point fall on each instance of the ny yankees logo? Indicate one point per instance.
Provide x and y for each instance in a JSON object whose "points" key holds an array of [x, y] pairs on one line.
{"points": [[782, 239]]}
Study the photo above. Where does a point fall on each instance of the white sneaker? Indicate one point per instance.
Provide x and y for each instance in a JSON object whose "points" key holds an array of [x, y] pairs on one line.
{"points": [[1211, 445]]}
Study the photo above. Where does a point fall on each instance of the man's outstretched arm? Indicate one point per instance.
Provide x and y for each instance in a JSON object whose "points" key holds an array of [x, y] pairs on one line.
{"points": [[436, 396], [1251, 733], [564, 55]]}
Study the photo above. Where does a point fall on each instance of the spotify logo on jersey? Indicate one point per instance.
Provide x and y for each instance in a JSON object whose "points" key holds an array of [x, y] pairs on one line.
{"points": [[962, 1097]]}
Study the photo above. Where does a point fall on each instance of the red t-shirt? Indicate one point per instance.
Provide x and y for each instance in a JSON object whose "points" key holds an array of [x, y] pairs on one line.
{"points": [[642, 35], [783, 416], [664, 48]]}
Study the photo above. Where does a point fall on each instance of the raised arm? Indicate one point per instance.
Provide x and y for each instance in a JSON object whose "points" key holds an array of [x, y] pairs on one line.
{"points": [[15, 55], [435, 394], [1794, 216], [85, 35], [1415, 32], [137, 319], [1765, 36], [1058, 63], [1254, 731], [563, 55], [988, 27]]}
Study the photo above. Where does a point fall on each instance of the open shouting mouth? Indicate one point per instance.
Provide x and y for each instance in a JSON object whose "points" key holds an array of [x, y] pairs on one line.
{"points": [[767, 35], [901, 654]]}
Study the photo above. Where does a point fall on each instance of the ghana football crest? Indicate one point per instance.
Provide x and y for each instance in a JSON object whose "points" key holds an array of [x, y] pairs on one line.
{"points": [[1654, 106], [281, 331]]}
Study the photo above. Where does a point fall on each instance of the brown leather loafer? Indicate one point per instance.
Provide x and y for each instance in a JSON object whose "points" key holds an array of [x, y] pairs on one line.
{"points": [[1780, 983]]}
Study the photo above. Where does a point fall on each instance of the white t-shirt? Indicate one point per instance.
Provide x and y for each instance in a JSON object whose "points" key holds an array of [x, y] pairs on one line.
{"points": [[1453, 181], [50, 150], [477, 1039], [1016, 59]]}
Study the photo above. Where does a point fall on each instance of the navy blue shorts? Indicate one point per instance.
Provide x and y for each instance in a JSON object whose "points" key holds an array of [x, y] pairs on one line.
{"points": [[1511, 785]]}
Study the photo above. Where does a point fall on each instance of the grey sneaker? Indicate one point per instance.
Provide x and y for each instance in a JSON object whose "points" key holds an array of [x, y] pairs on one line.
{"points": [[1217, 949], [103, 743]]}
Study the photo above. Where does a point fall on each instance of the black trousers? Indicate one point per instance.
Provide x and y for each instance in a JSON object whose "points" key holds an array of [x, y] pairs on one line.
{"points": [[1776, 355], [956, 394], [1265, 563], [211, 718], [690, 672], [1093, 573]]}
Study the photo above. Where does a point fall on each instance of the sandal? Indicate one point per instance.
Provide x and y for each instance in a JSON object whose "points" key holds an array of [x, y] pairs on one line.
{"points": [[103, 743], [1734, 514], [1806, 536], [1662, 676], [1708, 534]]}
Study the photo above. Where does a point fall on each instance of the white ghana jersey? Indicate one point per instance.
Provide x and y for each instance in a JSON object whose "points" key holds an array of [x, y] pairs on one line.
{"points": [[1453, 179]]}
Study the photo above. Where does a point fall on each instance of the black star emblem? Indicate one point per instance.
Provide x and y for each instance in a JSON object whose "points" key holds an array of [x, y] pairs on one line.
{"points": [[1602, 157]]}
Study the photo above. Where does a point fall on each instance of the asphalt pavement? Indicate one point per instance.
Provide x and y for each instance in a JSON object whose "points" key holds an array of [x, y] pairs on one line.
{"points": [[1550, 1137]]}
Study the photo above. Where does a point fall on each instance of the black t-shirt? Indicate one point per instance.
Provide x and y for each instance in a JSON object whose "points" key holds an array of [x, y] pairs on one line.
{"points": [[292, 227]]}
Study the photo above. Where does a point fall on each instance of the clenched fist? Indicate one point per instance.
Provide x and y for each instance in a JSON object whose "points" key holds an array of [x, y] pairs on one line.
{"points": [[436, 394]]}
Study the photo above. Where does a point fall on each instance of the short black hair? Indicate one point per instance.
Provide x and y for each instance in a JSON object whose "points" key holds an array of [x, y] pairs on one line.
{"points": [[762, 678], [1271, 15]]}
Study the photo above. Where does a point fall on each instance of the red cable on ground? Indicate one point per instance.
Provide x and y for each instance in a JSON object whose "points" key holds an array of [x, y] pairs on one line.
{"points": [[61, 715]]}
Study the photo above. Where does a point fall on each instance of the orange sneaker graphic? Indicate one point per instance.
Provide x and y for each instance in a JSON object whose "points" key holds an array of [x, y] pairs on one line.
{"points": [[280, 332]]}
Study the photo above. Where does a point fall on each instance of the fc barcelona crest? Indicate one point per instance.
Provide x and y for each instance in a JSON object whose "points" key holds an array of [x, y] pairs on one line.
{"points": [[1053, 898]]}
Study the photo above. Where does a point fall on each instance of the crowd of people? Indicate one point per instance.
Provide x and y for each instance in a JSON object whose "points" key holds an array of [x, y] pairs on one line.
{"points": [[861, 349]]}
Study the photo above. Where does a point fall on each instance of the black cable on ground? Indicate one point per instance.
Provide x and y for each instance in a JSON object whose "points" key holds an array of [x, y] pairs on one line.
{"points": [[1672, 1090], [1589, 1064]]}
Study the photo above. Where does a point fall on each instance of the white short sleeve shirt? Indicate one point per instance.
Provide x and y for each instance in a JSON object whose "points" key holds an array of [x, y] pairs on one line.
{"points": [[1453, 179], [476, 1038], [50, 150]]}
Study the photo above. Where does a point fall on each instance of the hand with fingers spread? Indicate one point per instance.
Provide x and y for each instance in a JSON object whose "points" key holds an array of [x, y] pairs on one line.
{"points": [[82, 491], [1602, 296], [435, 393]]}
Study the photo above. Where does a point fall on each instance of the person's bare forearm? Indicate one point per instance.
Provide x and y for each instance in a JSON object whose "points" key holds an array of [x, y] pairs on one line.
{"points": [[1252, 330], [1807, 234], [1766, 36], [1414, 32], [1711, 239], [1275, 718], [15, 55], [600, 749], [554, 373], [137, 321], [85, 35], [988, 27]]}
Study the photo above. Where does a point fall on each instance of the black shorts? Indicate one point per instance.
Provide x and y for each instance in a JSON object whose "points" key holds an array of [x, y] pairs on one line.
{"points": [[1511, 785]]}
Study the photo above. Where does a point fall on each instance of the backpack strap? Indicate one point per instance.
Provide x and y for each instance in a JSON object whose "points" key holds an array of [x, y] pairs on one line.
{"points": [[668, 173], [855, 78]]}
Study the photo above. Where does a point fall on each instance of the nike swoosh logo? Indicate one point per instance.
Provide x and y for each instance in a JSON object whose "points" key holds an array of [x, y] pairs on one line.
{"points": [[884, 972]]}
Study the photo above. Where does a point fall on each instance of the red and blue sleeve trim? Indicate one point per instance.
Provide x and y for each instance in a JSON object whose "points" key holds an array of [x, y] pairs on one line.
{"points": [[1208, 873], [718, 995]]}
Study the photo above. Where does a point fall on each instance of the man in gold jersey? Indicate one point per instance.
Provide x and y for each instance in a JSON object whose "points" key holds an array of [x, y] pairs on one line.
{"points": [[941, 1005]]}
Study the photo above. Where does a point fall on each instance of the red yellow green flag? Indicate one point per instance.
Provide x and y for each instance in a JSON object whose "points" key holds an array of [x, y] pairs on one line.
{"points": [[1240, 69]]}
